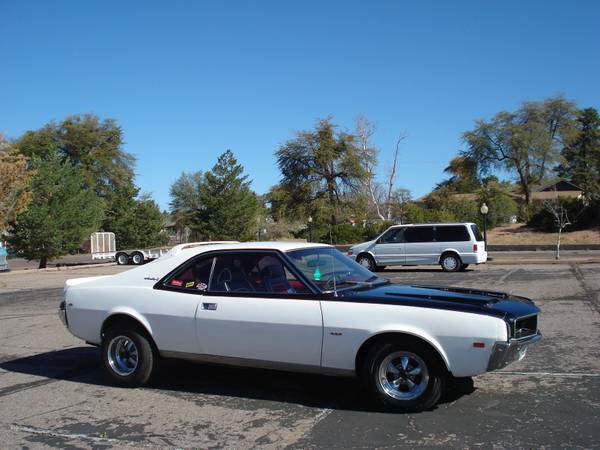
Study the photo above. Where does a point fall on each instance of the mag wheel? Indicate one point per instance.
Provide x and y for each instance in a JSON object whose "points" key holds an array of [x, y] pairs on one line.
{"points": [[128, 356], [404, 377]]}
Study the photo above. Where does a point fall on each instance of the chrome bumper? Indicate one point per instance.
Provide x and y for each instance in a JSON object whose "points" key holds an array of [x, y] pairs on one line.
{"points": [[62, 313], [504, 353]]}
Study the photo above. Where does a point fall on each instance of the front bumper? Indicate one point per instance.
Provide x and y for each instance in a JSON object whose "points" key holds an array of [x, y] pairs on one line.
{"points": [[504, 353], [62, 313]]}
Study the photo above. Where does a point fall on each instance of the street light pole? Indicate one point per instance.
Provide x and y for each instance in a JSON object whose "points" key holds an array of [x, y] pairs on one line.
{"points": [[310, 219], [484, 212]]}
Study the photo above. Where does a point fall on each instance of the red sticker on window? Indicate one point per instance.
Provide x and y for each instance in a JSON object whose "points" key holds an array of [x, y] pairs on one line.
{"points": [[176, 283]]}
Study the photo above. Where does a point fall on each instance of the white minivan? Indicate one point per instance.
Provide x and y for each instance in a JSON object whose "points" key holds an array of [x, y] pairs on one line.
{"points": [[451, 245]]}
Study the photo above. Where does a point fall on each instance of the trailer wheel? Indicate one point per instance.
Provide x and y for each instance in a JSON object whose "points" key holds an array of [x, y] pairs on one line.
{"points": [[122, 258], [137, 258]]}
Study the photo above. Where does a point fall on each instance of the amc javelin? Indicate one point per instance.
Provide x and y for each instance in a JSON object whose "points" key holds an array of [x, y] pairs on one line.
{"points": [[301, 307]]}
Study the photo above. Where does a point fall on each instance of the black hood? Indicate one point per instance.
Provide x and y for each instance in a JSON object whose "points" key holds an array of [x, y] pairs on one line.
{"points": [[492, 303]]}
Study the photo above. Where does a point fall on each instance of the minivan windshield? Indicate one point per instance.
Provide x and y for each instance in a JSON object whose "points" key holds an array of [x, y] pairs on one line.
{"points": [[329, 269]]}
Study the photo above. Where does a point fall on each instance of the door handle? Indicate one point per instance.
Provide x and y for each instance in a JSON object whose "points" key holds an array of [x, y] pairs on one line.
{"points": [[209, 306]]}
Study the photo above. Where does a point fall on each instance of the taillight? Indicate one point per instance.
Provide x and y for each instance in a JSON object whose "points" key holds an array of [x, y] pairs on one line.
{"points": [[474, 247]]}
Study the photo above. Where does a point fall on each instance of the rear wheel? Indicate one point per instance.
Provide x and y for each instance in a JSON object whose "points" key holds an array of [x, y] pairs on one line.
{"points": [[404, 377], [122, 258], [137, 258], [367, 262], [128, 356], [450, 262]]}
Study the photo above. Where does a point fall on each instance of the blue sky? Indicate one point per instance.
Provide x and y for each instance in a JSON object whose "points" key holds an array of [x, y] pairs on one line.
{"points": [[189, 79]]}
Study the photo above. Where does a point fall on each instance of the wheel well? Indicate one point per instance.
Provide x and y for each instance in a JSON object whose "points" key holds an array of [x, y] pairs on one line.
{"points": [[449, 252], [373, 341], [128, 321]]}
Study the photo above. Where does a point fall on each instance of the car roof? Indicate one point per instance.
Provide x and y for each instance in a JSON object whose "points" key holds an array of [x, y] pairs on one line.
{"points": [[431, 224]]}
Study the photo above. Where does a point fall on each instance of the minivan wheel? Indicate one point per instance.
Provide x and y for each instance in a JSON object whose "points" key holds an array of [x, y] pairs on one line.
{"points": [[450, 262], [366, 261], [404, 377], [128, 356]]}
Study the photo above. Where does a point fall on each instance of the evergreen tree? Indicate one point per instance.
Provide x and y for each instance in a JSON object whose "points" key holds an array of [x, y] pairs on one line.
{"points": [[62, 213], [581, 155], [227, 206]]}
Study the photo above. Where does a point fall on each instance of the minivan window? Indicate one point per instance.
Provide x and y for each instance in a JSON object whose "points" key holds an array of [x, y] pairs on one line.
{"points": [[395, 235], [476, 233], [453, 233], [419, 234]]}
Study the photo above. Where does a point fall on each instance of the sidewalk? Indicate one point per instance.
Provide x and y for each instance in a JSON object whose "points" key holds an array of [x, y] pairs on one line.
{"points": [[544, 257]]}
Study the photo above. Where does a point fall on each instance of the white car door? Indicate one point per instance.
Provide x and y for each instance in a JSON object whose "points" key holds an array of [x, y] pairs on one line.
{"points": [[389, 248], [419, 247], [256, 309]]}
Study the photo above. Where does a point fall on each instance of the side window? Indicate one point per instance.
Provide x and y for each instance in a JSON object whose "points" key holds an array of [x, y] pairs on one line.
{"points": [[194, 276], [254, 273], [419, 234], [393, 236], [454, 233]]}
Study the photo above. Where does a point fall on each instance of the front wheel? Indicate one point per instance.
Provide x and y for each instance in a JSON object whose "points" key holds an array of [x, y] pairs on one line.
{"points": [[128, 356], [367, 262], [404, 377]]}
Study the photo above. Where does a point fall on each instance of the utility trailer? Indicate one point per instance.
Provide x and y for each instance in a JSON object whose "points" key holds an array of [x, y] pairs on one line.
{"points": [[103, 246]]}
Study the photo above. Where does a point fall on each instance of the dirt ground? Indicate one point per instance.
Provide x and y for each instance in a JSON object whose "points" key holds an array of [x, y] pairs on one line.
{"points": [[520, 234]]}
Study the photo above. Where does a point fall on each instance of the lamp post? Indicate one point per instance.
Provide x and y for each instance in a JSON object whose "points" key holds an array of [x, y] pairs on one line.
{"points": [[484, 211], [310, 219]]}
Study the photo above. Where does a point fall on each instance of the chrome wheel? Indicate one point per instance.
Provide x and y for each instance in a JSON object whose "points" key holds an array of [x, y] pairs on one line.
{"points": [[122, 355], [403, 375]]}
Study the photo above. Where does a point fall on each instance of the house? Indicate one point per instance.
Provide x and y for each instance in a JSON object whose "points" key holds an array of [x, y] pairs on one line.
{"points": [[560, 188]]}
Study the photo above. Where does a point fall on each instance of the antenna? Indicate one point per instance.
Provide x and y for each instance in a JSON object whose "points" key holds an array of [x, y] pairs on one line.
{"points": [[332, 262]]}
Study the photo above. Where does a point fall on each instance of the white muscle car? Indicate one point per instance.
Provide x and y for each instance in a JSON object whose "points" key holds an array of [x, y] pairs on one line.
{"points": [[296, 306]]}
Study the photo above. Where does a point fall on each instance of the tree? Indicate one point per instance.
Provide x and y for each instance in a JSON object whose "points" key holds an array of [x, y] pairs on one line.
{"points": [[95, 147], [525, 143], [392, 177], [368, 155], [150, 223], [581, 154], [227, 205], [185, 200], [318, 167], [14, 183], [560, 216], [62, 212]]}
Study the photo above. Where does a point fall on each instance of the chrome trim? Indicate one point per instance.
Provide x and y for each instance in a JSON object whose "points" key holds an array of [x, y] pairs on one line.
{"points": [[504, 353], [256, 363]]}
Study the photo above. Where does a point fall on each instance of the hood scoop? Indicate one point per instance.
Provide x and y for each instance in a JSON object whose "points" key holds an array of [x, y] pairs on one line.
{"points": [[468, 291]]}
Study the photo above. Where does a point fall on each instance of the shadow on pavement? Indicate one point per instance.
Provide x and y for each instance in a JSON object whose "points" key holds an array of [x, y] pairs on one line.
{"points": [[182, 378]]}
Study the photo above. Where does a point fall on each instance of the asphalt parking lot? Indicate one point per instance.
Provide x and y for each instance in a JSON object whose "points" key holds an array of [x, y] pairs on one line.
{"points": [[53, 392]]}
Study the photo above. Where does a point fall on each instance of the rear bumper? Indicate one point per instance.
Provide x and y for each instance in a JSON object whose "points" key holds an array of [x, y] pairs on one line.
{"points": [[474, 258], [504, 353]]}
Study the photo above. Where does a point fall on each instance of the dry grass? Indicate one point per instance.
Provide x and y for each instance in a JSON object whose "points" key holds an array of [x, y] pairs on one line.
{"points": [[520, 234]]}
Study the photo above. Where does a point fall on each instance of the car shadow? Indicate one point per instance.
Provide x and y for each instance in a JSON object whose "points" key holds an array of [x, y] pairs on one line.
{"points": [[182, 378]]}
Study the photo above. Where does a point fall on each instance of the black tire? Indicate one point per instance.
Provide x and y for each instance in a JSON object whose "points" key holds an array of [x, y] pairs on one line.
{"points": [[366, 261], [146, 357], [463, 267], [450, 262], [137, 258], [379, 268], [122, 258], [428, 390]]}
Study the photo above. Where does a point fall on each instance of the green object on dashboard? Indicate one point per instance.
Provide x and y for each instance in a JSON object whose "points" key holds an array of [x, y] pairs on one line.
{"points": [[317, 274]]}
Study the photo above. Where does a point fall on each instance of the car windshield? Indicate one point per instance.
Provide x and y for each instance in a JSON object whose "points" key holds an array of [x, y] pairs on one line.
{"points": [[329, 269]]}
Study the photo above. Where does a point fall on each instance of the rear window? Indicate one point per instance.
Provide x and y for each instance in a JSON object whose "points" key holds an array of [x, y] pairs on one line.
{"points": [[419, 234], [476, 233], [455, 233]]}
